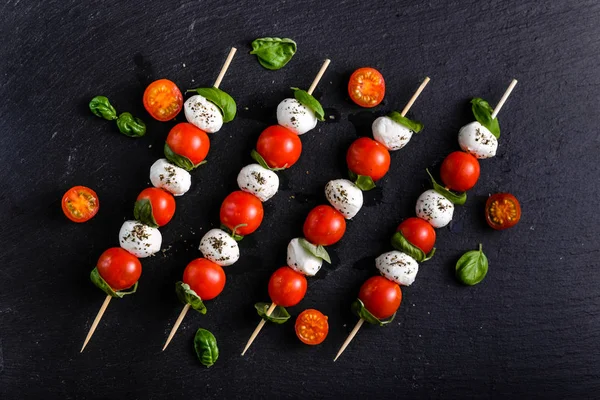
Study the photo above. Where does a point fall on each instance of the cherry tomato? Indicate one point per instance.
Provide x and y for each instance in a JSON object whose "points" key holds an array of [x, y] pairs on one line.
{"points": [[368, 157], [287, 287], [205, 278], [163, 204], [279, 146], [324, 225], [366, 87], [119, 268], [189, 141], [502, 211], [312, 327], [380, 296], [80, 203], [459, 171], [241, 208], [419, 233], [163, 100]]}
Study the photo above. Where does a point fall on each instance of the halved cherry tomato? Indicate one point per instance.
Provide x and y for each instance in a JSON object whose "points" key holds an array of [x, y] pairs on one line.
{"points": [[366, 87], [163, 204], [287, 287], [119, 268], [241, 208], [324, 225], [502, 211], [459, 171], [80, 203], [312, 327], [368, 157], [380, 296], [419, 233], [279, 146], [205, 278], [163, 100], [189, 141]]}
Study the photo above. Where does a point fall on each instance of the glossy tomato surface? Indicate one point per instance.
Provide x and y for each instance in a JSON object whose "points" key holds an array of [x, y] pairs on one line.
{"points": [[287, 287], [163, 204], [324, 225], [120, 269], [366, 87], [189, 141], [241, 211], [279, 147], [163, 100], [80, 204], [419, 233], [311, 327], [380, 296], [502, 211], [205, 278], [459, 171], [369, 158]]}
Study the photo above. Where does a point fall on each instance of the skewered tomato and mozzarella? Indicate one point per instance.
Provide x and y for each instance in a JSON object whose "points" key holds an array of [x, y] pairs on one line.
{"points": [[204, 277], [139, 239], [380, 296], [241, 212], [344, 196], [296, 116], [460, 171], [119, 269], [301, 260], [477, 140], [434, 208], [368, 157], [398, 267], [219, 247], [324, 226], [170, 177], [279, 147], [419, 233], [259, 181], [188, 141], [202, 113], [287, 287], [391, 134], [162, 204]]}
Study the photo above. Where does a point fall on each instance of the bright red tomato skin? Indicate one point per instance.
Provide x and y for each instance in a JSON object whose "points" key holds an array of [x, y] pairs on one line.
{"points": [[120, 269], [366, 87], [324, 225], [242, 208], [369, 158], [279, 147], [189, 141], [163, 204], [460, 171], [380, 296], [205, 278], [287, 287], [80, 204], [419, 233]]}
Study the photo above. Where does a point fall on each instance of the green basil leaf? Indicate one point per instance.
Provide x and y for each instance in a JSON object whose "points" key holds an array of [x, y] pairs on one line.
{"points": [[456, 198], [483, 114], [142, 211], [221, 99], [206, 348], [317, 251], [278, 316], [259, 159], [235, 236], [130, 125], [309, 101], [180, 161], [472, 267], [363, 182], [272, 52], [400, 243], [105, 287], [414, 126], [358, 308], [101, 107], [187, 296]]}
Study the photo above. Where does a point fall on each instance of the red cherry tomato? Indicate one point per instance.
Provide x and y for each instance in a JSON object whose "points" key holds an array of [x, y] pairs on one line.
{"points": [[205, 278], [163, 100], [163, 204], [80, 204], [502, 211], [368, 157], [287, 287], [380, 296], [279, 146], [189, 141], [241, 208], [459, 171], [324, 225], [366, 87], [419, 233], [120, 269], [312, 327]]}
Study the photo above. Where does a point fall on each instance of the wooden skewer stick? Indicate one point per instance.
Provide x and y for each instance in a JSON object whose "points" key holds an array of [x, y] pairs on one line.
{"points": [[315, 82], [258, 328], [414, 97], [186, 308], [504, 97], [349, 338], [225, 67], [96, 321]]}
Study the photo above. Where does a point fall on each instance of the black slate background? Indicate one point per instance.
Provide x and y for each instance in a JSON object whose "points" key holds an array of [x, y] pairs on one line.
{"points": [[531, 329]]}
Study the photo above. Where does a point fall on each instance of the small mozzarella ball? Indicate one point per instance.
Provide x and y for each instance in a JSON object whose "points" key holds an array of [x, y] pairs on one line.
{"points": [[344, 196], [219, 247], [391, 134], [259, 181], [398, 267], [139, 239], [170, 177], [295, 116], [301, 260], [203, 114], [476, 139], [434, 208]]}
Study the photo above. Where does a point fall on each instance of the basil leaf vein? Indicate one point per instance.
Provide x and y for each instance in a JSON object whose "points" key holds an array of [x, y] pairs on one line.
{"points": [[472, 267], [205, 345]]}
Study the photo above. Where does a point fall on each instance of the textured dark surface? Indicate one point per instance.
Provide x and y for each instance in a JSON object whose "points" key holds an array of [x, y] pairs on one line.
{"points": [[531, 329]]}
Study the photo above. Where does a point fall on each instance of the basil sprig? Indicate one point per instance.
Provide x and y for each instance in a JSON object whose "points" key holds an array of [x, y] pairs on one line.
{"points": [[456, 198], [105, 287], [221, 99], [232, 233], [278, 316], [363, 182], [358, 308], [400, 243], [274, 53], [309, 101], [472, 267], [142, 211], [483, 114], [179, 160], [205, 345], [414, 126], [259, 159], [130, 125], [187, 296], [317, 251], [100, 106]]}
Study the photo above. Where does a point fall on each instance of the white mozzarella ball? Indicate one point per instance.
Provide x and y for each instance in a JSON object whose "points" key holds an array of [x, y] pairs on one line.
{"points": [[220, 248], [344, 196], [476, 139], [434, 208], [259, 181], [203, 114], [301, 260], [296, 116], [139, 239], [391, 134], [170, 177], [398, 267]]}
